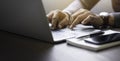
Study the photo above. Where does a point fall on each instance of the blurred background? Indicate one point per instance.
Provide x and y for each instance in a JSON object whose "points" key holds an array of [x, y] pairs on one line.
{"points": [[102, 6], [50, 5]]}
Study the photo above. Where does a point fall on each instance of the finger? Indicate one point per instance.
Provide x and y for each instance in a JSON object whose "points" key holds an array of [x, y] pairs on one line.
{"points": [[63, 23], [49, 16], [76, 14], [87, 21], [55, 19], [79, 12], [79, 19]]}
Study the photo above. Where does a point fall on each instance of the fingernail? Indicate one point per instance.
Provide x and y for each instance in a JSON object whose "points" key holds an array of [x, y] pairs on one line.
{"points": [[84, 22], [71, 27], [60, 26]]}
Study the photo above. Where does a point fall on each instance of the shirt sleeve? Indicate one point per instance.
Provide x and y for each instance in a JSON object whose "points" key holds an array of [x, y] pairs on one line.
{"points": [[73, 7], [116, 19]]}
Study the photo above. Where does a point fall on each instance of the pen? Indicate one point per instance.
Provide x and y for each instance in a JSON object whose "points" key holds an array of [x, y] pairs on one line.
{"points": [[91, 35]]}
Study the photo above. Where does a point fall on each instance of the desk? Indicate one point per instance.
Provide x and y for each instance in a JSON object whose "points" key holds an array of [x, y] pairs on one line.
{"points": [[18, 48]]}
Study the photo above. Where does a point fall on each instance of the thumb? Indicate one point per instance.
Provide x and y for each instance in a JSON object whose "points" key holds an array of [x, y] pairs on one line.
{"points": [[87, 21]]}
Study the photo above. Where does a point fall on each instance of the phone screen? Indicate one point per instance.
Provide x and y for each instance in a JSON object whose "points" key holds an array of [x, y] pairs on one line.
{"points": [[102, 39]]}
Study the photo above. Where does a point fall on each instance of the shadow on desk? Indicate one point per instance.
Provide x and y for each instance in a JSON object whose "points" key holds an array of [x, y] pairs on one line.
{"points": [[18, 48]]}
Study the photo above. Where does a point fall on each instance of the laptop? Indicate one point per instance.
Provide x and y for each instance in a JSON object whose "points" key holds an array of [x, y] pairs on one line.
{"points": [[28, 18]]}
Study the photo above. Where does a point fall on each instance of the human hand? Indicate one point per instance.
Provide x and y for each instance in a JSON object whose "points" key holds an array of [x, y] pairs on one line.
{"points": [[85, 17], [95, 20], [58, 19]]}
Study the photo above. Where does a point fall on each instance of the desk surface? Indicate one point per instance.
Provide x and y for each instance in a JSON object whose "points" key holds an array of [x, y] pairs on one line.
{"points": [[18, 48]]}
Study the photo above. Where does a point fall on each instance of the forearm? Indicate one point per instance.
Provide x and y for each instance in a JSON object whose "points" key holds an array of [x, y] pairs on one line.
{"points": [[73, 7], [77, 4]]}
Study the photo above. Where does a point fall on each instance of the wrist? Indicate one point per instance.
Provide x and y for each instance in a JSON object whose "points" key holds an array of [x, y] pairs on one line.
{"points": [[105, 17], [68, 12], [111, 19]]}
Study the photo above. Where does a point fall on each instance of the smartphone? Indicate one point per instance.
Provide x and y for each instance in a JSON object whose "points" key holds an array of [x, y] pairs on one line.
{"points": [[103, 39]]}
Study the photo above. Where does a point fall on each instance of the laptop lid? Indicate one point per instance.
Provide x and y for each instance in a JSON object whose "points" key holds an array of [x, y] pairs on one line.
{"points": [[25, 17]]}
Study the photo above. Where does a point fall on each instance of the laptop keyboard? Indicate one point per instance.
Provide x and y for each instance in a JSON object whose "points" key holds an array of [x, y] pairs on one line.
{"points": [[79, 30], [62, 34]]}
